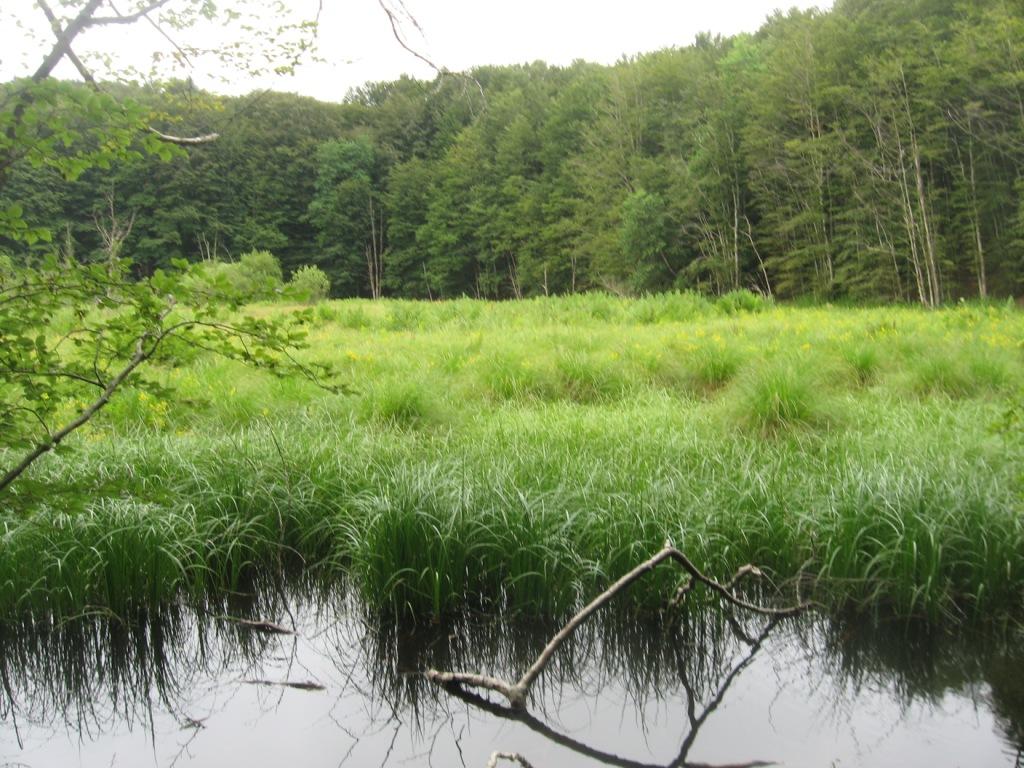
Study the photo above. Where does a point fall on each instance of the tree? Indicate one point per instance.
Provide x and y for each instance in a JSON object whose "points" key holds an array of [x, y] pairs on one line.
{"points": [[643, 240], [450, 235], [408, 192], [792, 154], [348, 213], [868, 152]]}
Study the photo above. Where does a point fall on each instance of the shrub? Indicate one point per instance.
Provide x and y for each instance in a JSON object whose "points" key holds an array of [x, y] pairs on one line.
{"points": [[734, 302], [262, 267], [310, 284], [256, 276]]}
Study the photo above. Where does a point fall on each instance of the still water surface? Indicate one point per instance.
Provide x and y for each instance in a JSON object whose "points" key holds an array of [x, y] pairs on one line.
{"points": [[182, 689]]}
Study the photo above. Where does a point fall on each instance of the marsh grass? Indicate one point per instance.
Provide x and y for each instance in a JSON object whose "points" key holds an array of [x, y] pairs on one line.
{"points": [[403, 404], [506, 375], [519, 456], [783, 395], [710, 368], [591, 377], [863, 361]]}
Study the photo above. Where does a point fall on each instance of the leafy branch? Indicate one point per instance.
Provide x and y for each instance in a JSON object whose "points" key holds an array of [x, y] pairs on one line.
{"points": [[120, 325]]}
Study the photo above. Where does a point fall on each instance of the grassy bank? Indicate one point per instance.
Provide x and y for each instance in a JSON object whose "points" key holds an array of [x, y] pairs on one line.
{"points": [[523, 454]]}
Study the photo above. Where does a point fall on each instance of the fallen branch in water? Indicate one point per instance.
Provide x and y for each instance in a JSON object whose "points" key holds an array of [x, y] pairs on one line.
{"points": [[258, 625], [603, 757], [302, 686], [516, 693]]}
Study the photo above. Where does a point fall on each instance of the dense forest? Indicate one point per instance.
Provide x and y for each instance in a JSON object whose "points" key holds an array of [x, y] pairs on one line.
{"points": [[872, 152]]}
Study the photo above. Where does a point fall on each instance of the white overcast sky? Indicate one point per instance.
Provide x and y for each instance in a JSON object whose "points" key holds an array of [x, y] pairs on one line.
{"points": [[357, 45]]}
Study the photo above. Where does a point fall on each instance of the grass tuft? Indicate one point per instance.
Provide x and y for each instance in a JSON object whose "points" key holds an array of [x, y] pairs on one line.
{"points": [[712, 367], [863, 361], [402, 404], [591, 377], [782, 396]]}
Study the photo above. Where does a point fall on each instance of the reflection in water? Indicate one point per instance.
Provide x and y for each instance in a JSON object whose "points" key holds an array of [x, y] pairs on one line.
{"points": [[695, 719], [169, 688], [96, 674], [914, 664]]}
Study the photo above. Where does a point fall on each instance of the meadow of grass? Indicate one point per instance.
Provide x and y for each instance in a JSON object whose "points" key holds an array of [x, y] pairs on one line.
{"points": [[520, 455]]}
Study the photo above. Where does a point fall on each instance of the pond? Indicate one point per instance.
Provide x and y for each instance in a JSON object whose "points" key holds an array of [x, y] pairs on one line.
{"points": [[206, 688]]}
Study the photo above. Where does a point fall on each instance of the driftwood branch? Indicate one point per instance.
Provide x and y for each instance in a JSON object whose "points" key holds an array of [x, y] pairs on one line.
{"points": [[695, 721], [517, 693], [681, 759]]}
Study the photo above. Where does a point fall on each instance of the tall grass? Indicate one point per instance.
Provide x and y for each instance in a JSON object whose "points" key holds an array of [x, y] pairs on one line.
{"points": [[522, 455]]}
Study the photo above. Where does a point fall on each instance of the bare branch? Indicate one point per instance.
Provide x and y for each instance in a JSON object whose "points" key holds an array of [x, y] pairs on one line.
{"points": [[147, 345], [184, 140], [55, 375], [34, 414], [65, 38], [516, 693], [126, 18], [260, 625], [696, 723], [85, 20], [607, 758], [59, 33], [115, 231], [163, 33], [308, 685], [397, 32]]}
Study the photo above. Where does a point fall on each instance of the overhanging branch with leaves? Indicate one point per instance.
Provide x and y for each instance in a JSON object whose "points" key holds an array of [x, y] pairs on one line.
{"points": [[120, 325]]}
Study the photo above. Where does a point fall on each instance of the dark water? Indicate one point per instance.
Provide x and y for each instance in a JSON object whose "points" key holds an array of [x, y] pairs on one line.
{"points": [[178, 689]]}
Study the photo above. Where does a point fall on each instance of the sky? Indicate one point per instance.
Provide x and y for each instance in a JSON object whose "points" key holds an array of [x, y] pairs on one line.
{"points": [[356, 43]]}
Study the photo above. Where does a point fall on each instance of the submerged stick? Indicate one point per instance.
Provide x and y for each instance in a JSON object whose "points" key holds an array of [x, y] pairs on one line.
{"points": [[301, 686], [258, 625], [516, 693]]}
